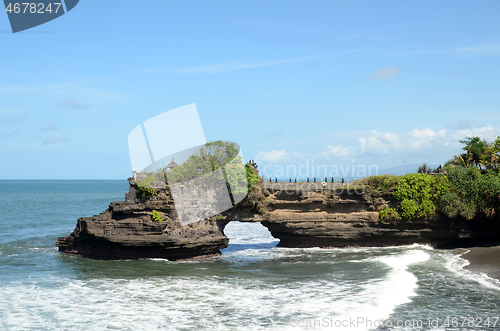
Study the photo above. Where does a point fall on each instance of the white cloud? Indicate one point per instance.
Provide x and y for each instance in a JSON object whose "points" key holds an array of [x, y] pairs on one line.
{"points": [[417, 144], [420, 138], [424, 133], [339, 150], [379, 142], [48, 127], [386, 74], [55, 138], [231, 66], [71, 103], [273, 156], [424, 140], [487, 132]]}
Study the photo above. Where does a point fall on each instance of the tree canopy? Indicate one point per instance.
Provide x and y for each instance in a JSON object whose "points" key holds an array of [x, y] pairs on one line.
{"points": [[211, 156], [478, 153]]}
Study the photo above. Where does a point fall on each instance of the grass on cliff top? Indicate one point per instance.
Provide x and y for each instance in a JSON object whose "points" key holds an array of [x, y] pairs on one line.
{"points": [[381, 185]]}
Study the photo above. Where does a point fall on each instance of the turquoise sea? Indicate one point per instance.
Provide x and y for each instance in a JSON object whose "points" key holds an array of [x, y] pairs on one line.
{"points": [[254, 285]]}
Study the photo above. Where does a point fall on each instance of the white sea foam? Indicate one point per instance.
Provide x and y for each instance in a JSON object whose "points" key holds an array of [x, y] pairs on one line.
{"points": [[172, 303], [244, 301], [455, 263], [379, 298], [229, 294], [247, 233]]}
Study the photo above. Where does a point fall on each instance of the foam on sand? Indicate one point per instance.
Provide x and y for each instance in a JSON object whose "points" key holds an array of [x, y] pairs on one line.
{"points": [[456, 262]]}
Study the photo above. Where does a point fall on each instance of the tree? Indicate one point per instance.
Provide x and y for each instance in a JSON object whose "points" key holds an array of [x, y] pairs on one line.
{"points": [[472, 193], [495, 151], [210, 157], [423, 169], [496, 146], [214, 163], [491, 155], [475, 148]]}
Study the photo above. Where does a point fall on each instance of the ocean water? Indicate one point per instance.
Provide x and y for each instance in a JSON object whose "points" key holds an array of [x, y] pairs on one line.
{"points": [[254, 285]]}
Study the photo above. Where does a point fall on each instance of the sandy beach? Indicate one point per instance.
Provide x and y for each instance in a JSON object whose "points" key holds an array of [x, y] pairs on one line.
{"points": [[484, 259]]}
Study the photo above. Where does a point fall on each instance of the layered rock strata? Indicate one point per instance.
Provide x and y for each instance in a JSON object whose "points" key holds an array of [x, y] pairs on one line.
{"points": [[299, 215], [127, 229], [310, 215]]}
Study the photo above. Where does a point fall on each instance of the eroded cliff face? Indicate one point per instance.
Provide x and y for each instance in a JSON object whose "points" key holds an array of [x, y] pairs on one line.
{"points": [[127, 230], [299, 215], [309, 215]]}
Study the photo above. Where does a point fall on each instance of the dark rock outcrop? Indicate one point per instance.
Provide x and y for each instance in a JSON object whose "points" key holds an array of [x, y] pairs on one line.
{"points": [[309, 215], [300, 215], [127, 230]]}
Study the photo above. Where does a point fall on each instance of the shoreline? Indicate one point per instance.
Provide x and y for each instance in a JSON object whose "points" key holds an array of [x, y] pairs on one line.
{"points": [[484, 260]]}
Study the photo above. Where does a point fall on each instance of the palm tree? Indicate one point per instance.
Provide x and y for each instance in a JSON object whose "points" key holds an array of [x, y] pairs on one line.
{"points": [[475, 148], [465, 160]]}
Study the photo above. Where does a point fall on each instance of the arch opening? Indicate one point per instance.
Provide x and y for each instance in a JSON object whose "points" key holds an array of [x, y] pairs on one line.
{"points": [[248, 236]]}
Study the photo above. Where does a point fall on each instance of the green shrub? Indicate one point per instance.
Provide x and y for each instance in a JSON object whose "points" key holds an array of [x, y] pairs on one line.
{"points": [[453, 206], [209, 157], [388, 213], [145, 185], [472, 193], [234, 174], [156, 216], [408, 209], [382, 183], [418, 194], [218, 159], [252, 176]]}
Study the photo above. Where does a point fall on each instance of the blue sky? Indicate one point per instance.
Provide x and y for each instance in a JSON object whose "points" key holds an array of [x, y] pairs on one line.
{"points": [[326, 82]]}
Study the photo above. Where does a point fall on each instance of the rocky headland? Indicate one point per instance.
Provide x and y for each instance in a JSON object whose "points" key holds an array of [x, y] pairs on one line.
{"points": [[308, 215], [299, 215], [127, 229]]}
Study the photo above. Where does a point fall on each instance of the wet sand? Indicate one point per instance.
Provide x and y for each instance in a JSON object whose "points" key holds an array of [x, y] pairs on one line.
{"points": [[485, 260]]}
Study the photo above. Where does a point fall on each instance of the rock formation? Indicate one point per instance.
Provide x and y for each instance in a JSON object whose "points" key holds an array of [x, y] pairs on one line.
{"points": [[300, 215], [309, 215], [127, 229]]}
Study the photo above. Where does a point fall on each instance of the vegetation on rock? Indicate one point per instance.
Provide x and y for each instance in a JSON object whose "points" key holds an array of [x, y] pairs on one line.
{"points": [[469, 187], [380, 185], [473, 193], [146, 185], [214, 163], [219, 159], [156, 216], [210, 157], [417, 194], [388, 213], [478, 153]]}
